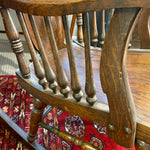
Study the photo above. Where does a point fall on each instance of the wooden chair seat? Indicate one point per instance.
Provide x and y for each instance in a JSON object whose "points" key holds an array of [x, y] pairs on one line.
{"points": [[138, 72]]}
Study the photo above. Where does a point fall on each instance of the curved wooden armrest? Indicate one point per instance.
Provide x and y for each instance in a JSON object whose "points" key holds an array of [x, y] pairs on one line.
{"points": [[122, 120]]}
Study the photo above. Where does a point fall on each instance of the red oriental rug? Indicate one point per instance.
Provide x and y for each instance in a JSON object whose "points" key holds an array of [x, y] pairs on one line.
{"points": [[17, 104]]}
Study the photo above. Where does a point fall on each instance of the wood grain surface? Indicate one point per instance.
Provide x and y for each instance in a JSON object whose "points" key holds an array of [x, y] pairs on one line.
{"points": [[63, 7], [143, 29], [138, 68], [121, 116]]}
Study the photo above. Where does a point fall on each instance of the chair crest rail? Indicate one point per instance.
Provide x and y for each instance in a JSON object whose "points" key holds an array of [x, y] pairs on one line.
{"points": [[53, 84], [65, 7]]}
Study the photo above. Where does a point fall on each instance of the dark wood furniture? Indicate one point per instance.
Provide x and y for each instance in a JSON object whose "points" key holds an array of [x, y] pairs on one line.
{"points": [[66, 79]]}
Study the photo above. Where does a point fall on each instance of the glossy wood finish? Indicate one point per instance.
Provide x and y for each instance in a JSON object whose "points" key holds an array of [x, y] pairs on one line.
{"points": [[143, 28], [114, 77], [99, 110], [49, 74], [61, 76], [80, 64], [102, 36], [139, 81], [39, 71], [37, 114], [139, 75], [138, 72], [75, 82], [72, 24], [140, 145], [57, 28], [64, 7], [112, 12], [90, 88]]}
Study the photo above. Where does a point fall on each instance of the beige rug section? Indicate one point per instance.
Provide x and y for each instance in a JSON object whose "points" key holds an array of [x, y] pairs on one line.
{"points": [[8, 61]]}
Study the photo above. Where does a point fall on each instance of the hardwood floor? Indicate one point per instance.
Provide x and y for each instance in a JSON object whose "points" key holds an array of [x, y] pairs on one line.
{"points": [[138, 68]]}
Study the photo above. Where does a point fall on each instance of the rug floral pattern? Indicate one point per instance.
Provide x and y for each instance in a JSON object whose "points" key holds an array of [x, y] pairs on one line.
{"points": [[17, 104]]}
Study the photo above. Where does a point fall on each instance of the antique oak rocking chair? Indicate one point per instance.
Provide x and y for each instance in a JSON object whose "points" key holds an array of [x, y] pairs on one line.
{"points": [[68, 79]]}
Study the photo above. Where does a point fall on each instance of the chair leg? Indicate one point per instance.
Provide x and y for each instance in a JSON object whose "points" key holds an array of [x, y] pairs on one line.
{"points": [[140, 145], [36, 116]]}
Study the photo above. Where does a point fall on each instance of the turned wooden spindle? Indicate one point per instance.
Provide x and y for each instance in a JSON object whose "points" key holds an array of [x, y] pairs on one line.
{"points": [[90, 88], [94, 31], [75, 82], [79, 30], [72, 24], [61, 76], [36, 117], [102, 36], [50, 76], [112, 12], [15, 41], [68, 137], [39, 71]]}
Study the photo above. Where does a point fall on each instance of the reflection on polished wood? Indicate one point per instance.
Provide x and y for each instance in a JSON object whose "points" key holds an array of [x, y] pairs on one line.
{"points": [[57, 28], [94, 30], [140, 145], [79, 28]]}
